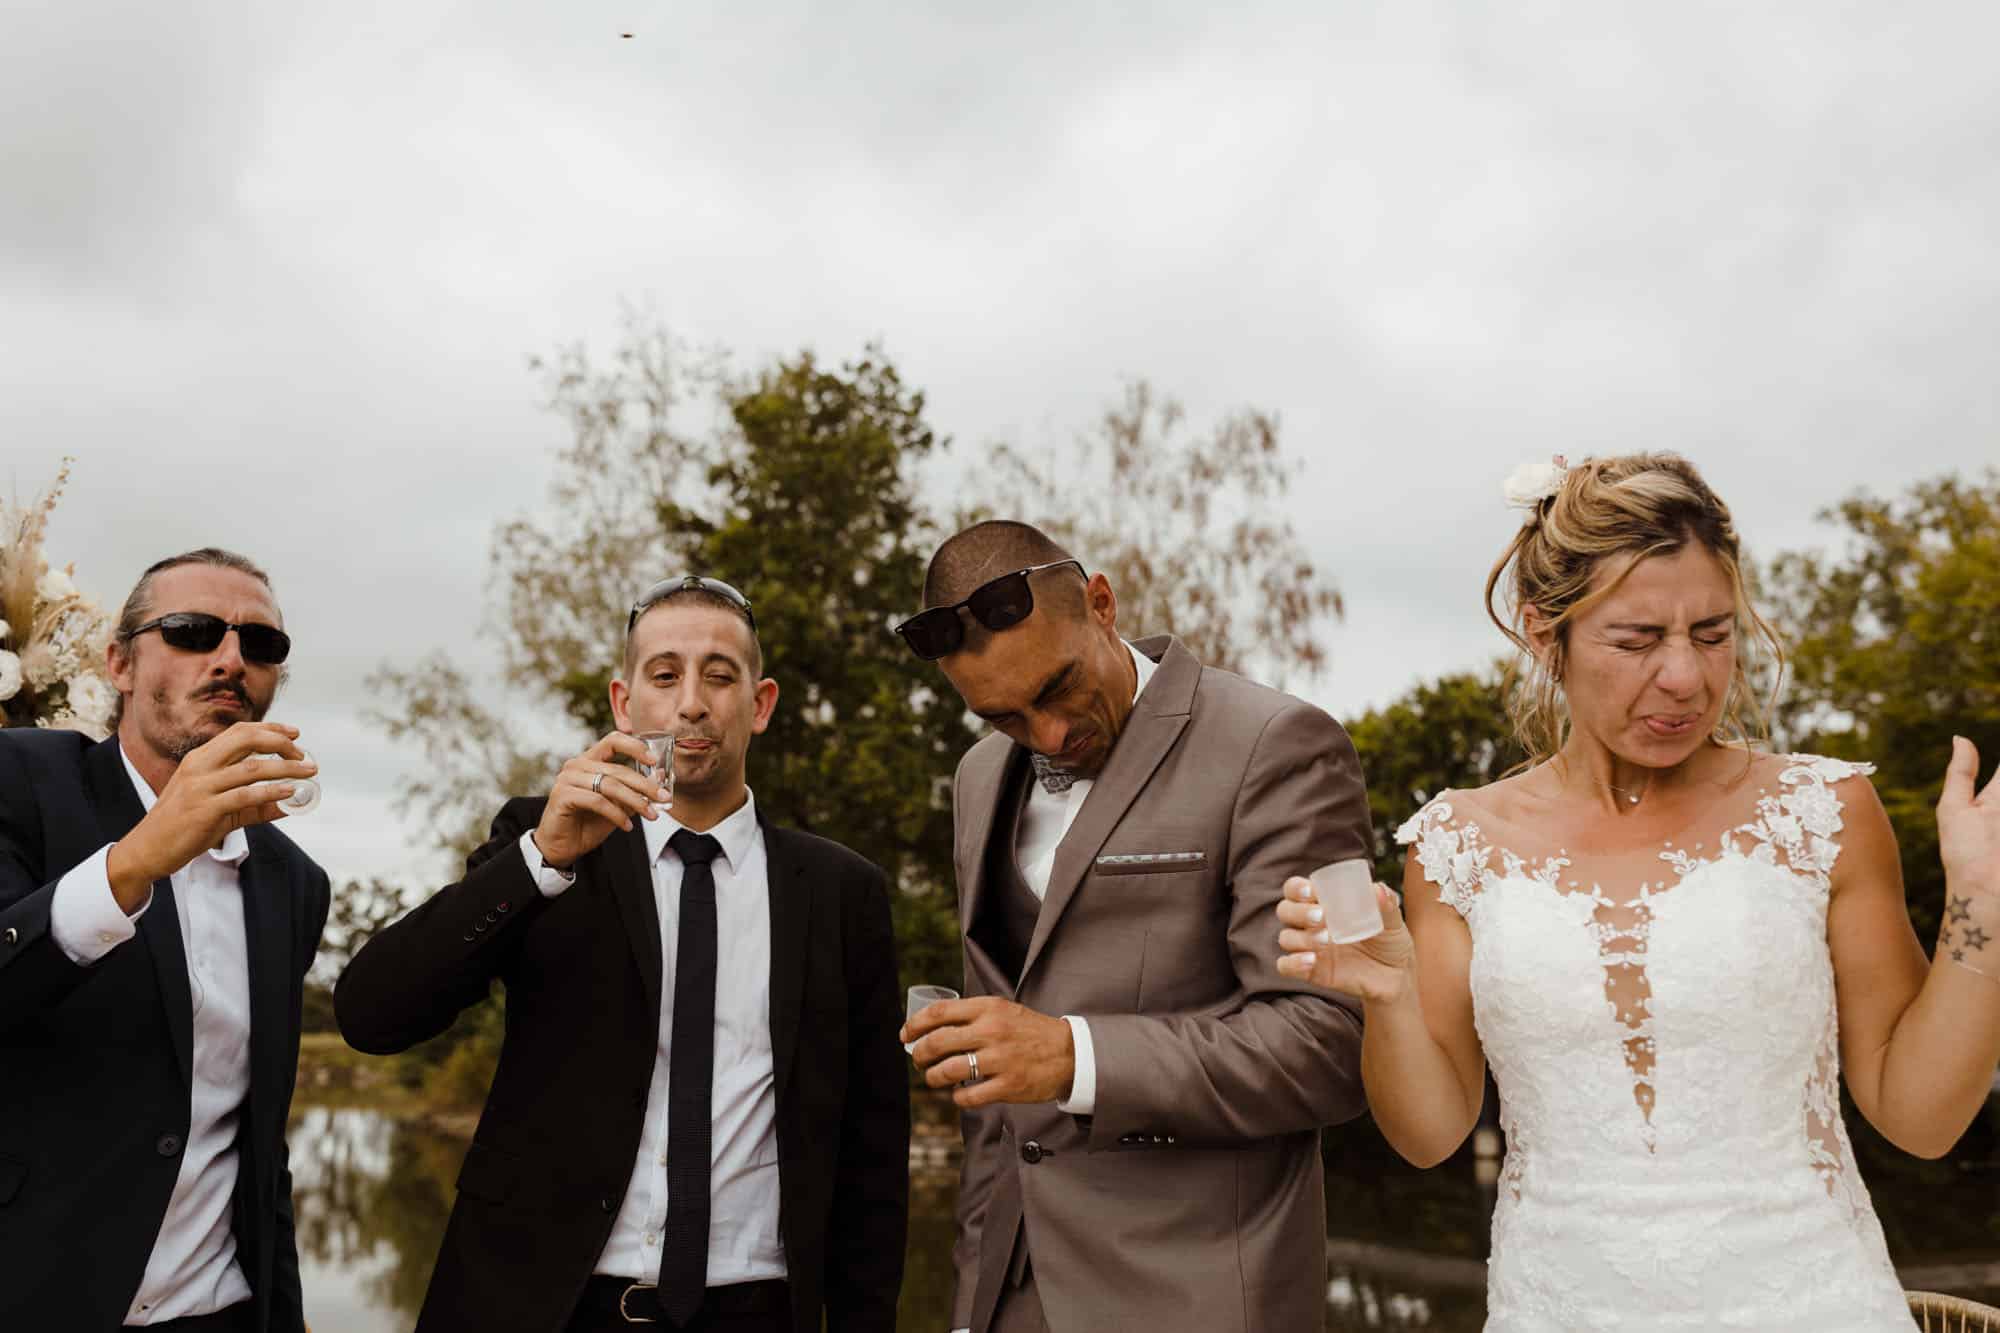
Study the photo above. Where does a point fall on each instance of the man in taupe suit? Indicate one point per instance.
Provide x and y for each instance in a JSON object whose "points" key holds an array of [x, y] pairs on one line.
{"points": [[1143, 1091]]}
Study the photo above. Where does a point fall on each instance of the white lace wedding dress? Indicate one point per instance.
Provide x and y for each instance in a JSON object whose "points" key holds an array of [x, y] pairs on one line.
{"points": [[1663, 1033]]}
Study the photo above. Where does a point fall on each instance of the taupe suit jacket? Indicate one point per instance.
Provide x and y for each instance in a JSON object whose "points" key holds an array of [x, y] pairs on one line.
{"points": [[1192, 1198]]}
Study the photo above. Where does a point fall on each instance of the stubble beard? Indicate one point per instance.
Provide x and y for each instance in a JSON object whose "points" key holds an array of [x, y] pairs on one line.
{"points": [[177, 743]]}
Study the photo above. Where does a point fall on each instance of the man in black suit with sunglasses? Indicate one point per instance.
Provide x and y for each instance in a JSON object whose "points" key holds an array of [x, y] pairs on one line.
{"points": [[155, 931], [700, 1120]]}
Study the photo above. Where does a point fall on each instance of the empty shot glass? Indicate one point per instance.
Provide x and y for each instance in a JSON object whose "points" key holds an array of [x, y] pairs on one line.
{"points": [[660, 749], [305, 791], [1345, 891], [920, 998]]}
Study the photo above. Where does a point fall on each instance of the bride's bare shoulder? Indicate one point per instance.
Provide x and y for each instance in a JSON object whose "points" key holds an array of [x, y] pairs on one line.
{"points": [[1509, 800]]}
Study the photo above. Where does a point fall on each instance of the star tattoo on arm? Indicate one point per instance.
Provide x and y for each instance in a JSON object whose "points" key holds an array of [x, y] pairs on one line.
{"points": [[1957, 908]]}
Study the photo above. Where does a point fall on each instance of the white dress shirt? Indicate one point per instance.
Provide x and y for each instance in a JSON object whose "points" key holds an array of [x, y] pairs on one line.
{"points": [[193, 1268], [1045, 820], [743, 1240]]}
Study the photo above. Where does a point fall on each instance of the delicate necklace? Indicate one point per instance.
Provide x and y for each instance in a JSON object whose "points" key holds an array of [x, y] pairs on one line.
{"points": [[1630, 796]]}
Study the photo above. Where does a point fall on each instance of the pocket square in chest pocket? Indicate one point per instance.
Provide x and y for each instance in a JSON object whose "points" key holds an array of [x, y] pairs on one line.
{"points": [[1149, 863]]}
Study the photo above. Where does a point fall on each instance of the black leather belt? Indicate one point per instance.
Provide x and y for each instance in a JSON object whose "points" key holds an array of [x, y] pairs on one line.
{"points": [[633, 1301]]}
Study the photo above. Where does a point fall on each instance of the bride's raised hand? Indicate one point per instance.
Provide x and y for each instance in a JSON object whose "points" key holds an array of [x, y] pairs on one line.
{"points": [[1968, 825], [1969, 846], [1378, 969]]}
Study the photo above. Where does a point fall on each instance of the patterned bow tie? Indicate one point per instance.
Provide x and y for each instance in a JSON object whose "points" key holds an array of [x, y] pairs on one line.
{"points": [[1055, 781]]}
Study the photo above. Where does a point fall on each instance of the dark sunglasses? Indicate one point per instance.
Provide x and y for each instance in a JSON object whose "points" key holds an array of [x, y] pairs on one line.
{"points": [[666, 588], [997, 604], [199, 632]]}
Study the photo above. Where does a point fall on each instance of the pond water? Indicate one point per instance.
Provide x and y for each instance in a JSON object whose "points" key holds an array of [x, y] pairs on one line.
{"points": [[1406, 1248]]}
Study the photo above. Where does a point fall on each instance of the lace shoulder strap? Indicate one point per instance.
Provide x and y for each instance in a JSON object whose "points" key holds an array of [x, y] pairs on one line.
{"points": [[1799, 824], [1453, 857]]}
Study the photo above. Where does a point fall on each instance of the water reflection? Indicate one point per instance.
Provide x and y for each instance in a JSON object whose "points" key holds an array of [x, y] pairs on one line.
{"points": [[370, 1195], [1406, 1248]]}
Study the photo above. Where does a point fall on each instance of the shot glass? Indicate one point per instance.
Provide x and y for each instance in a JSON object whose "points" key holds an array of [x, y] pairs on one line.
{"points": [[1345, 891], [921, 998], [660, 749], [305, 791]]}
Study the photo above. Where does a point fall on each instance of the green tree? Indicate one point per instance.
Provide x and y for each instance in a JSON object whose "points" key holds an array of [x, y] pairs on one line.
{"points": [[1188, 528], [1895, 646], [1450, 733]]}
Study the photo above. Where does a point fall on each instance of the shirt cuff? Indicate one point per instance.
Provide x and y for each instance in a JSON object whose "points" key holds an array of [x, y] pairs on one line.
{"points": [[84, 917], [549, 881], [1082, 1099]]}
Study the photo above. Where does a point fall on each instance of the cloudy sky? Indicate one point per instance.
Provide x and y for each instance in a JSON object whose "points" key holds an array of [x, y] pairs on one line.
{"points": [[272, 273]]}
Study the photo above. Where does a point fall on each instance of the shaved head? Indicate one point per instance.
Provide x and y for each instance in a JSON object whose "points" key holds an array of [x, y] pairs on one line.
{"points": [[985, 551]]}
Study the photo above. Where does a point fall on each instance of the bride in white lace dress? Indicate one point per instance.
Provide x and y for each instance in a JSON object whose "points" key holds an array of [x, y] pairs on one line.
{"points": [[1668, 947]]}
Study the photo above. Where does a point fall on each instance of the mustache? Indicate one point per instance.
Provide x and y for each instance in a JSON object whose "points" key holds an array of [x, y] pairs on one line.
{"points": [[697, 736], [227, 689]]}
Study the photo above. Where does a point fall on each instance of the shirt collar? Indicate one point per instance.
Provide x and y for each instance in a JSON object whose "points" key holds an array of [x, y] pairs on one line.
{"points": [[235, 846], [1144, 666], [735, 832]]}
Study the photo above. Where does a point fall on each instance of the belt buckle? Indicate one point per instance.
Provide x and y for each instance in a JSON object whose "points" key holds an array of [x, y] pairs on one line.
{"points": [[627, 1315]]}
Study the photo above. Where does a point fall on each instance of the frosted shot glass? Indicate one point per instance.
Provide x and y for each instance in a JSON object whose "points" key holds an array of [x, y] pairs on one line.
{"points": [[920, 998], [1345, 891]]}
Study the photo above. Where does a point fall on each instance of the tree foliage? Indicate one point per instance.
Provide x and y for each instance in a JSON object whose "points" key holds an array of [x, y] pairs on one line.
{"points": [[1895, 645], [1449, 733], [1188, 527]]}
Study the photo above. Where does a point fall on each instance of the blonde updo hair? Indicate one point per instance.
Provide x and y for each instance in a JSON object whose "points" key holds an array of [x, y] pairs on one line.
{"points": [[1637, 505]]}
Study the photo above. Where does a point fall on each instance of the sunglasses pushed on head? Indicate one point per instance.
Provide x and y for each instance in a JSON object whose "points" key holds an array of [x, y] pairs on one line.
{"points": [[999, 603]]}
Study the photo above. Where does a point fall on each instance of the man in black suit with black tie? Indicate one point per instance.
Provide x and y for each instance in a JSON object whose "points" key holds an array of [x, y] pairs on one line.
{"points": [[701, 1115], [154, 935]]}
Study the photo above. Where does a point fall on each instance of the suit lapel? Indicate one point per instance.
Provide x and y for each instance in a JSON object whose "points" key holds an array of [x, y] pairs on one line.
{"points": [[267, 933], [630, 878], [984, 780], [118, 811], [791, 918], [1156, 723], [979, 799]]}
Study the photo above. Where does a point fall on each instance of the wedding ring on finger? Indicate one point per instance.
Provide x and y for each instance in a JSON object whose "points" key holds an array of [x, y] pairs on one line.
{"points": [[972, 1063], [597, 784]]}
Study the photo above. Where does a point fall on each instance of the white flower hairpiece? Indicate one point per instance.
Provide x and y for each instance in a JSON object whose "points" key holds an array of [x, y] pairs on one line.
{"points": [[1531, 483]]}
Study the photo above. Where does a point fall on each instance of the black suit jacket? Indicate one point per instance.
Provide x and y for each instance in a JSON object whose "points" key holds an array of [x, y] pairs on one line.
{"points": [[556, 1145], [94, 1061]]}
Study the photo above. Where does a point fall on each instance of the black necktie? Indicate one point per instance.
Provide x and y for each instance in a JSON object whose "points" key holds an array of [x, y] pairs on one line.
{"points": [[691, 1075]]}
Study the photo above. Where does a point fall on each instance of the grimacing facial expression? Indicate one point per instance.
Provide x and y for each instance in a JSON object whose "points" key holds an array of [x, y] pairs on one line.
{"points": [[692, 678], [1059, 682], [176, 700], [1649, 667]]}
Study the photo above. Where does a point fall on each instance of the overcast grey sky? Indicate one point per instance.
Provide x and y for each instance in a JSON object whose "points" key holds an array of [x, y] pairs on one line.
{"points": [[273, 272]]}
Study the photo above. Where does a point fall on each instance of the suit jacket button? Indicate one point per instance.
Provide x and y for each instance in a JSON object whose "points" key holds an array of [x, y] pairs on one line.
{"points": [[501, 908], [469, 937], [13, 935], [1031, 1152], [167, 1145]]}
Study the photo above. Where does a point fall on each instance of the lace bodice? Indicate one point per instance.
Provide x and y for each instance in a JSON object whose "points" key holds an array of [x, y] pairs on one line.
{"points": [[1663, 1032]]}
